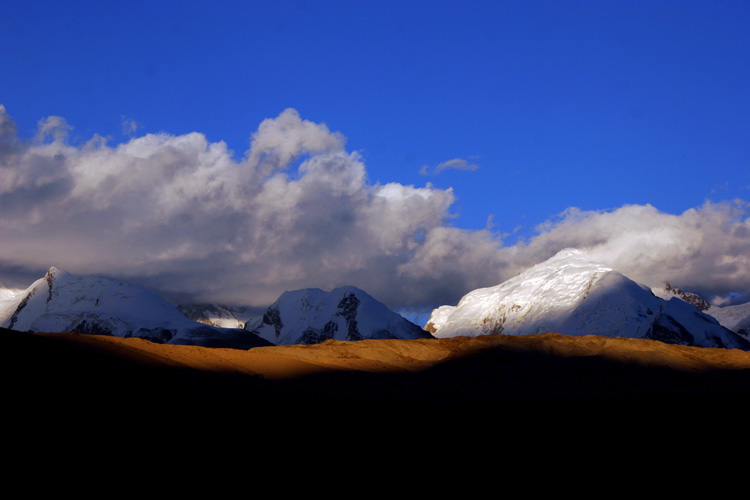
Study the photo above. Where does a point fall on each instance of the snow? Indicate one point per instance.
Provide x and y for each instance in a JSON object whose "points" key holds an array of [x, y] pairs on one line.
{"points": [[570, 294], [59, 302], [735, 317], [312, 315], [532, 302]]}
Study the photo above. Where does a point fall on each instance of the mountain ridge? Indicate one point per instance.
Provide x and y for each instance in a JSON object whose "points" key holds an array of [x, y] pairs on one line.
{"points": [[97, 305]]}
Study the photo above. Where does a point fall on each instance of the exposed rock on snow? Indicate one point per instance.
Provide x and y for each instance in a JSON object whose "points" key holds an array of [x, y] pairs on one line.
{"points": [[735, 317], [668, 291]]}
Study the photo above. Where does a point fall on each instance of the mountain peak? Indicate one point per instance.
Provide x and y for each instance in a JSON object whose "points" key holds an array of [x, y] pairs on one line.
{"points": [[570, 255], [570, 252], [311, 316], [689, 297], [59, 302], [573, 295], [55, 273]]}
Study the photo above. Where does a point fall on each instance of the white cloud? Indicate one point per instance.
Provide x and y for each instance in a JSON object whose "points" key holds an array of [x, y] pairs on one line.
{"points": [[454, 164], [704, 248], [54, 127], [129, 126], [181, 215]]}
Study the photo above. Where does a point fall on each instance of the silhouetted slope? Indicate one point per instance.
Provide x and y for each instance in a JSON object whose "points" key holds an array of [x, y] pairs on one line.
{"points": [[541, 372]]}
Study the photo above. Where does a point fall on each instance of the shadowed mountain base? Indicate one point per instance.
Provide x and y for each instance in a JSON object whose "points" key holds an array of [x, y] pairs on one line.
{"points": [[104, 404], [59, 376]]}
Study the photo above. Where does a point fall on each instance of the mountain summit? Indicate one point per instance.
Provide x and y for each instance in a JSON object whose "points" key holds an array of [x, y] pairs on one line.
{"points": [[311, 316], [59, 302], [573, 295]]}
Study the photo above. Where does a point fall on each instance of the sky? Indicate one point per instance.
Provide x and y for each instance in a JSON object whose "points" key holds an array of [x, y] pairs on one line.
{"points": [[227, 151]]}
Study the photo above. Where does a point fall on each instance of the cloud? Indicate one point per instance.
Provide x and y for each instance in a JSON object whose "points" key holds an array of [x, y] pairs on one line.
{"points": [[705, 248], [186, 218], [454, 164], [53, 127], [129, 126], [179, 214], [8, 131]]}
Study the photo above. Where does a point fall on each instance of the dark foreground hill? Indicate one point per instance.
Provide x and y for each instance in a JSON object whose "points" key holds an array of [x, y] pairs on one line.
{"points": [[105, 406], [113, 378]]}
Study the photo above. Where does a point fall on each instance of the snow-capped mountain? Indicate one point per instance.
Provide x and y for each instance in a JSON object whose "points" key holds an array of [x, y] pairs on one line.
{"points": [[735, 317], [572, 295], [311, 316], [59, 302], [220, 315]]}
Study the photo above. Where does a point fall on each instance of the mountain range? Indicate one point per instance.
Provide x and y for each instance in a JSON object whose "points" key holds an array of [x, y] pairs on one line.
{"points": [[566, 294], [60, 302]]}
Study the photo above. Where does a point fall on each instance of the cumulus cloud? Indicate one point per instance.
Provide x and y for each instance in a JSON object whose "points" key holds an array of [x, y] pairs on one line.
{"points": [[185, 217], [180, 214], [8, 131], [454, 164], [704, 248], [129, 126]]}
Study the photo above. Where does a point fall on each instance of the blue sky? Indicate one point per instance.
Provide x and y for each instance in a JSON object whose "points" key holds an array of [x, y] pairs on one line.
{"points": [[553, 104]]}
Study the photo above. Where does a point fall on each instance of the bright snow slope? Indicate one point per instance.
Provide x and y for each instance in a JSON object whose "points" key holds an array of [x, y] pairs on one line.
{"points": [[735, 317], [572, 295], [59, 302]]}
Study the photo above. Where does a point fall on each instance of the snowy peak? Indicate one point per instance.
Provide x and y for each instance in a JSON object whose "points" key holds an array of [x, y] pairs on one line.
{"points": [[668, 291], [527, 304], [311, 316], [59, 302], [570, 294], [53, 273]]}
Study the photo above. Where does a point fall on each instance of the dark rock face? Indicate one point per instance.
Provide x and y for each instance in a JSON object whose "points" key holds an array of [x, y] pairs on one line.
{"points": [[669, 331], [89, 327], [316, 336], [20, 307], [157, 335], [348, 310], [691, 298], [272, 317], [50, 278]]}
